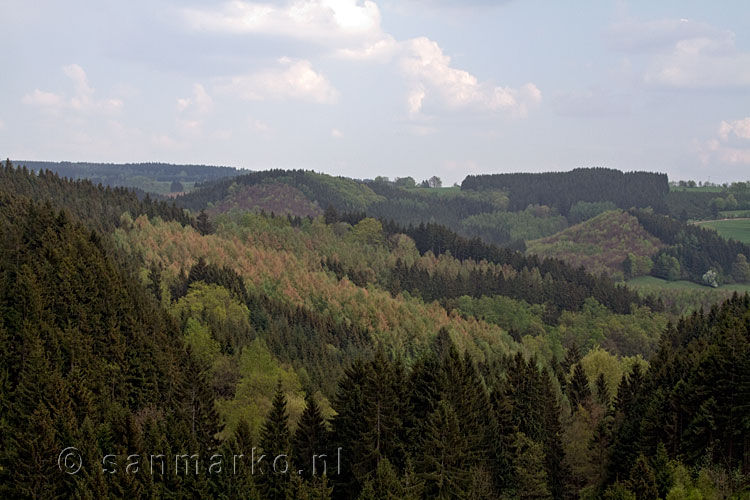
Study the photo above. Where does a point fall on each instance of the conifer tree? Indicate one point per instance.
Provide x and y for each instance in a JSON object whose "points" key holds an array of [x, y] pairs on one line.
{"points": [[579, 392], [203, 225], [530, 479], [311, 440], [274, 479], [642, 480], [442, 462], [602, 392]]}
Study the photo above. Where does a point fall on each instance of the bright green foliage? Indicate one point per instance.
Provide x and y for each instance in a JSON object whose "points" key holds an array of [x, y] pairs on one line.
{"points": [[368, 231], [259, 375], [505, 227]]}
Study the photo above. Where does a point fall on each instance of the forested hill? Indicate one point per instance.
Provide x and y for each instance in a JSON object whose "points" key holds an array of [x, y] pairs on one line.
{"points": [[150, 177], [493, 375], [563, 189], [96, 206]]}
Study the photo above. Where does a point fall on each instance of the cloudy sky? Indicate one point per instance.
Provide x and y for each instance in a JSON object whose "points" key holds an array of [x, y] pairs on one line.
{"points": [[386, 87]]}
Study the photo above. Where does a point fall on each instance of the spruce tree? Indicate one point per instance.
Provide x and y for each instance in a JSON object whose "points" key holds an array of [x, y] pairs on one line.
{"points": [[642, 481], [579, 392], [203, 225], [311, 440], [444, 452], [602, 392], [274, 479], [530, 479]]}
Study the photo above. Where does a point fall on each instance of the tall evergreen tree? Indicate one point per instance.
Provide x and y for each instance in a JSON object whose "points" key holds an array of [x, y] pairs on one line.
{"points": [[602, 391], [579, 391], [311, 441], [274, 480], [442, 462], [203, 225]]}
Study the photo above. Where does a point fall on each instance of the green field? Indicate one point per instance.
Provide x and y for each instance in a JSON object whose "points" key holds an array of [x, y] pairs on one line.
{"points": [[738, 229], [652, 283], [733, 214]]}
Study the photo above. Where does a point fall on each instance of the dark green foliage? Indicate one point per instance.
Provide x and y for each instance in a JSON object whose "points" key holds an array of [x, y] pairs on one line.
{"points": [[530, 479], [86, 347], [692, 249], [97, 207], [579, 392], [603, 396], [311, 442], [122, 174], [445, 451], [202, 224], [274, 474], [564, 189], [642, 480]]}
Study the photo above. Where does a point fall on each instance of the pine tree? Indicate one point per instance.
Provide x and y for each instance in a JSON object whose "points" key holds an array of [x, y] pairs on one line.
{"points": [[602, 392], [154, 281], [311, 440], [572, 357], [203, 225], [442, 462], [663, 471], [642, 480], [558, 470], [579, 392], [385, 484], [530, 479], [349, 428], [274, 479]]}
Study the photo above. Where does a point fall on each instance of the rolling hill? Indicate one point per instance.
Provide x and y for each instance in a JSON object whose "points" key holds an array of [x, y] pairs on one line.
{"points": [[600, 244]]}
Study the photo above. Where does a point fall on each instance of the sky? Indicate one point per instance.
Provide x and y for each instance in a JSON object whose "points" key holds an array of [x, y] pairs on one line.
{"points": [[397, 88]]}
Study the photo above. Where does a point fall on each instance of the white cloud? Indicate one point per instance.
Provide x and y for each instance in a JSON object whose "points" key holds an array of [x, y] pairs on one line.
{"points": [[738, 128], [381, 50], [43, 99], [319, 20], [351, 30], [292, 80], [336, 133], [82, 100], [430, 72], [259, 126], [2, 124], [684, 54], [701, 63], [730, 145], [657, 35], [200, 101]]}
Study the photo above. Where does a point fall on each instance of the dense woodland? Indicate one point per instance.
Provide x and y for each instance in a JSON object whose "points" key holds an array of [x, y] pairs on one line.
{"points": [[156, 178], [563, 189], [440, 365]]}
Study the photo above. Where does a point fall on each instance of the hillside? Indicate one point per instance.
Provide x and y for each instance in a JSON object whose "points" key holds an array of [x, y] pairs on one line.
{"points": [[277, 198], [329, 329], [737, 229], [600, 244], [156, 178]]}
